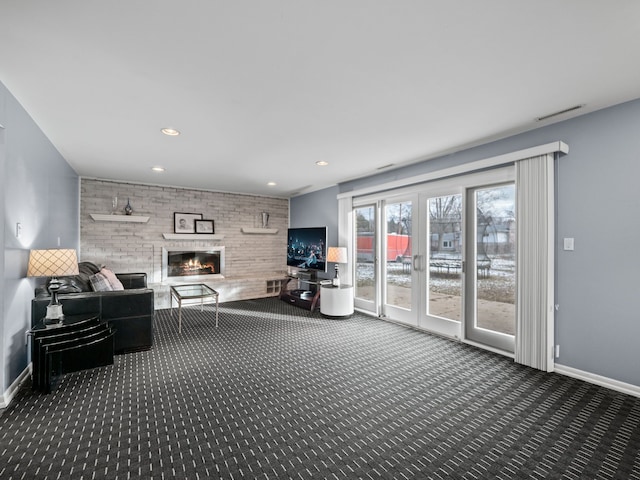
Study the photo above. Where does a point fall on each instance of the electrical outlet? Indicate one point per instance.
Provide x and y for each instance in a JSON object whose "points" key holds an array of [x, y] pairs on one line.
{"points": [[557, 351]]}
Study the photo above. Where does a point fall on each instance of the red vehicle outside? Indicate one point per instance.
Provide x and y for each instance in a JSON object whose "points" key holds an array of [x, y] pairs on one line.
{"points": [[398, 247]]}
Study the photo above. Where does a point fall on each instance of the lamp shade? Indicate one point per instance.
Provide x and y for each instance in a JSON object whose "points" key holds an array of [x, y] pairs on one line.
{"points": [[337, 255], [52, 263]]}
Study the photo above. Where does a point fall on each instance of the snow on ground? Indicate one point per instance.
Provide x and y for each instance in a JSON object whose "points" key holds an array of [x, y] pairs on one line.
{"points": [[499, 285]]}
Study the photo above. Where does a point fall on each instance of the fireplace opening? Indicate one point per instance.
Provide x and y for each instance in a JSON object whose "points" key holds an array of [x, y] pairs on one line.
{"points": [[192, 263]]}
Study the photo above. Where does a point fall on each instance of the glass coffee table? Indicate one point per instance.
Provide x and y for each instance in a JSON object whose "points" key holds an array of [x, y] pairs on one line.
{"points": [[196, 291]]}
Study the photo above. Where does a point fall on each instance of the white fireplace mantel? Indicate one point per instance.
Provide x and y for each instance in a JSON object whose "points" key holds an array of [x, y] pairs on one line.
{"points": [[192, 236]]}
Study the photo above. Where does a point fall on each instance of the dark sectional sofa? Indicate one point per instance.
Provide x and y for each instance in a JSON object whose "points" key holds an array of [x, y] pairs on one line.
{"points": [[129, 311]]}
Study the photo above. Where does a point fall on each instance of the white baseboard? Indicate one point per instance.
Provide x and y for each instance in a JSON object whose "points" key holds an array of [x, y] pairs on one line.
{"points": [[627, 388], [6, 397]]}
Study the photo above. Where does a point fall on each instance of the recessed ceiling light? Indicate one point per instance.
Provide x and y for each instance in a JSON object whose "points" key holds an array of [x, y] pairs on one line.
{"points": [[271, 184], [172, 132], [157, 169], [322, 163]]}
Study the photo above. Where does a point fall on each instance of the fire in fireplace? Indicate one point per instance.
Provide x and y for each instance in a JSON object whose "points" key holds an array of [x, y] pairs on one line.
{"points": [[192, 262]]}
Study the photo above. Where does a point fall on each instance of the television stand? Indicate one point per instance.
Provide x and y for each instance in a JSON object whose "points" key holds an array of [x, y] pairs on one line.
{"points": [[306, 296]]}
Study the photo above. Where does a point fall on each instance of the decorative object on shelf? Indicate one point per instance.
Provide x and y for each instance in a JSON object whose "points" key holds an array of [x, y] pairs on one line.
{"points": [[114, 205], [337, 255], [128, 209], [53, 263], [185, 222], [204, 226], [265, 219]]}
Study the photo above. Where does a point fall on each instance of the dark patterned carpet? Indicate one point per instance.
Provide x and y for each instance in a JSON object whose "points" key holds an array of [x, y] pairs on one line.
{"points": [[276, 392]]}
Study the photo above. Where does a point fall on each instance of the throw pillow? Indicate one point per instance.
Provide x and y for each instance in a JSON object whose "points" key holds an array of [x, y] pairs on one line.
{"points": [[113, 280], [85, 270], [88, 267], [100, 283]]}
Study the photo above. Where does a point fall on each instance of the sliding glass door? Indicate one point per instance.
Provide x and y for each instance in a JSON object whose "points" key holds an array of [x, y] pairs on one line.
{"points": [[441, 256]]}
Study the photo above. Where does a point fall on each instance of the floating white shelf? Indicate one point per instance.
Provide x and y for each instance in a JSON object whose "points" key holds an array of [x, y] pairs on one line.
{"points": [[264, 231], [119, 218], [192, 236]]}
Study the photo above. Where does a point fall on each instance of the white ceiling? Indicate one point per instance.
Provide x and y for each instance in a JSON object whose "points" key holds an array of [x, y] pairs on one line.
{"points": [[261, 90]]}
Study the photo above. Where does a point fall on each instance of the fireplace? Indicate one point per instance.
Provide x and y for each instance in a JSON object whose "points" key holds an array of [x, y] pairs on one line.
{"points": [[192, 263]]}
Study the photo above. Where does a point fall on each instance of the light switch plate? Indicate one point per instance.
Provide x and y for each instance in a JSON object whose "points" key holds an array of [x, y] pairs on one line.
{"points": [[568, 243]]}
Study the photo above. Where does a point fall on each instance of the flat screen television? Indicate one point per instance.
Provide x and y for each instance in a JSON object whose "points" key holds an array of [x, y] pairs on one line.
{"points": [[307, 248]]}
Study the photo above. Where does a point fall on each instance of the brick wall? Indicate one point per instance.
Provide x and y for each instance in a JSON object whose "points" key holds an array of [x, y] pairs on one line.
{"points": [[251, 259]]}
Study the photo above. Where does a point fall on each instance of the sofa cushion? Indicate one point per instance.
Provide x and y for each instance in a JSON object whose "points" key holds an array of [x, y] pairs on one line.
{"points": [[132, 280], [112, 279], [100, 283], [88, 268], [68, 285], [77, 283]]}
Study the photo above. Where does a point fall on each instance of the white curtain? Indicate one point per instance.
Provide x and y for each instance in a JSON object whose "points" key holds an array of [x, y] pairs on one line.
{"points": [[345, 237], [535, 260]]}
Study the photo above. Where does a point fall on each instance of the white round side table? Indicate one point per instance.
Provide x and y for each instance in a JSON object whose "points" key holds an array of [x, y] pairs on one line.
{"points": [[336, 302]]}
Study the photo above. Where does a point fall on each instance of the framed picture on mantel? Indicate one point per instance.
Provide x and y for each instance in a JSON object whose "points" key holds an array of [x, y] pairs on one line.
{"points": [[204, 226], [185, 222]]}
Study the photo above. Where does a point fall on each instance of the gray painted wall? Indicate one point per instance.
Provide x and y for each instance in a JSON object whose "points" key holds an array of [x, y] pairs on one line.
{"points": [[598, 324], [41, 191], [317, 209]]}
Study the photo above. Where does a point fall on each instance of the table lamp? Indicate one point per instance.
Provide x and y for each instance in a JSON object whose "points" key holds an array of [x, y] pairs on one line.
{"points": [[53, 263], [337, 255]]}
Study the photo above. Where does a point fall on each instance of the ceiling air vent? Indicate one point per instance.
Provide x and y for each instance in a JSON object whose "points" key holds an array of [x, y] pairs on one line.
{"points": [[561, 112], [385, 166]]}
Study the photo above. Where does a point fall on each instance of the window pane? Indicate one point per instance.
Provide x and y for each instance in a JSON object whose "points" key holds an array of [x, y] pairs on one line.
{"points": [[398, 254], [365, 252], [445, 257], [496, 259]]}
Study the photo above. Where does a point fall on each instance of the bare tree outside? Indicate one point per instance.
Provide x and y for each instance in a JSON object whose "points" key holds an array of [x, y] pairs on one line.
{"points": [[495, 246], [495, 262], [445, 257]]}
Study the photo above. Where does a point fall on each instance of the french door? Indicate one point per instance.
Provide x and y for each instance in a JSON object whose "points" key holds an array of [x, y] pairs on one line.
{"points": [[491, 287], [441, 257], [399, 259], [442, 272], [366, 285]]}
